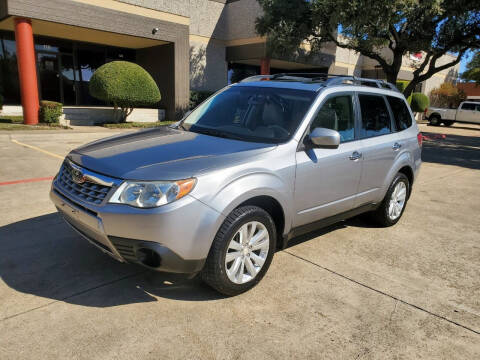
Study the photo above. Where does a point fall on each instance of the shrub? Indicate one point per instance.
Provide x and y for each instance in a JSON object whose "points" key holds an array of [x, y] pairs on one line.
{"points": [[50, 112], [447, 95], [125, 85], [418, 102], [401, 85], [197, 97]]}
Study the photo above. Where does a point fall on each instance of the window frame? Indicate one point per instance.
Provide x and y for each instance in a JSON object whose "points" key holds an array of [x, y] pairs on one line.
{"points": [[360, 121], [317, 110]]}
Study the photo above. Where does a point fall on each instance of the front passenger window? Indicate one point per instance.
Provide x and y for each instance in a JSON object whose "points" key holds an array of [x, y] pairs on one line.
{"points": [[337, 114]]}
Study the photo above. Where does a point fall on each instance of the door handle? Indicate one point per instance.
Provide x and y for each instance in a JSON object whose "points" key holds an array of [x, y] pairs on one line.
{"points": [[355, 156], [396, 146]]}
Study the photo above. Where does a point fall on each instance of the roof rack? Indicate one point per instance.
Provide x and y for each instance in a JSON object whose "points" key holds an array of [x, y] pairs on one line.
{"points": [[325, 79]]}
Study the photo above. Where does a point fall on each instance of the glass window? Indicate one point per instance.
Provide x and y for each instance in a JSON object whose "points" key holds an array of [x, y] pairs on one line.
{"points": [[468, 106], [337, 114], [9, 83], [251, 113], [375, 116], [403, 119]]}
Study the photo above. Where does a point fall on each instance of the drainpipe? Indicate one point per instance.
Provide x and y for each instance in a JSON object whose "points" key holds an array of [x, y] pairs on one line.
{"points": [[265, 66], [27, 70]]}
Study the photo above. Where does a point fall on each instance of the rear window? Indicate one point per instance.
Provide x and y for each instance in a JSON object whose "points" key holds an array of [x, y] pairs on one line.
{"points": [[468, 106], [401, 115], [375, 116]]}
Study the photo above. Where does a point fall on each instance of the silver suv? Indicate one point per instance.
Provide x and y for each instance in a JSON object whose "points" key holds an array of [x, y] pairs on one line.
{"points": [[256, 164]]}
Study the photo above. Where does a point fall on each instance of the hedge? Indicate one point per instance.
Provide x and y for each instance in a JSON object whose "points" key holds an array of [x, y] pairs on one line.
{"points": [[418, 102], [50, 112], [125, 85], [401, 85], [197, 97]]}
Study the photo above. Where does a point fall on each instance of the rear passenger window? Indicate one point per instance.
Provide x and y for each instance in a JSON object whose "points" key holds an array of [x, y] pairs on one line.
{"points": [[337, 114], [401, 115], [375, 116]]}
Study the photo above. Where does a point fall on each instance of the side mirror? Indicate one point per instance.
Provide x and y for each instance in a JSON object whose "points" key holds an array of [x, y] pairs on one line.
{"points": [[325, 138]]}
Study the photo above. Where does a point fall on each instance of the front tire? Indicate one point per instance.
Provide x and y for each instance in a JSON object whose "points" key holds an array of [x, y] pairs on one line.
{"points": [[241, 252], [393, 205], [435, 120]]}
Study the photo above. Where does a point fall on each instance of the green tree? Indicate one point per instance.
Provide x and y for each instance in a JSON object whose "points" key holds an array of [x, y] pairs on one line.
{"points": [[473, 69], [125, 85], [385, 31]]}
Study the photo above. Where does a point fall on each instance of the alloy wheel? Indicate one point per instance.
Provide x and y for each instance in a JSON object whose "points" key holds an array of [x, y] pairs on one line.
{"points": [[247, 252]]}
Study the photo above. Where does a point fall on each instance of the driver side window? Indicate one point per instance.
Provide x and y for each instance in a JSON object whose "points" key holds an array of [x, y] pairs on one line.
{"points": [[337, 114]]}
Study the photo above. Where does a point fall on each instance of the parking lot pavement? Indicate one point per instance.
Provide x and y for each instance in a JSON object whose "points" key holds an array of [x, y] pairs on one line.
{"points": [[349, 291]]}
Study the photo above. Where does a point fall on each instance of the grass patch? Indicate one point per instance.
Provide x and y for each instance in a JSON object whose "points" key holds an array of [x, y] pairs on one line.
{"points": [[129, 125], [16, 123]]}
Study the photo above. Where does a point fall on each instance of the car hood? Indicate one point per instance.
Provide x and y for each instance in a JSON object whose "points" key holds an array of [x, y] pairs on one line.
{"points": [[163, 154]]}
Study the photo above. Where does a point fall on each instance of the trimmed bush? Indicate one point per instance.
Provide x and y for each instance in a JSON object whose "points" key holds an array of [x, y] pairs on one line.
{"points": [[418, 102], [125, 85], [197, 97], [50, 112], [401, 85]]}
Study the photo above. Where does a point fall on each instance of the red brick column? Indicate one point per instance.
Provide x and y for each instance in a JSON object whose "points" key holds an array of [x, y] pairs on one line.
{"points": [[27, 71], [265, 66]]}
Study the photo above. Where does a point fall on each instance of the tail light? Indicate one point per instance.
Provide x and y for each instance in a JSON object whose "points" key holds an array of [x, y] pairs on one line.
{"points": [[419, 139]]}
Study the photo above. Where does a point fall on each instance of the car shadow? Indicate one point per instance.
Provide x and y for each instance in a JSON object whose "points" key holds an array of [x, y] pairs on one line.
{"points": [[455, 150], [43, 256]]}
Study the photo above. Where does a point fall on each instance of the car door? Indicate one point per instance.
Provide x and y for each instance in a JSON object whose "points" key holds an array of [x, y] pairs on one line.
{"points": [[380, 145], [327, 179], [466, 112], [476, 116]]}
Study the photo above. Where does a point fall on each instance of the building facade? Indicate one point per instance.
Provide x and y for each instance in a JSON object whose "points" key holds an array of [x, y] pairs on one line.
{"points": [[184, 44]]}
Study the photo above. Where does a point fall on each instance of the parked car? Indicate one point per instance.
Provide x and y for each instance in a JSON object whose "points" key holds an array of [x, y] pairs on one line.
{"points": [[467, 112], [254, 165]]}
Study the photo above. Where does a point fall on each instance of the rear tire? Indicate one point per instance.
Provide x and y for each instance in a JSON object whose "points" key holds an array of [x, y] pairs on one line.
{"points": [[448, 123], [241, 252], [435, 120], [393, 205]]}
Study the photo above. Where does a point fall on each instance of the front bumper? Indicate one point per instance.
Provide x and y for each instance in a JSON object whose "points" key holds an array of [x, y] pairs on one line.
{"points": [[179, 233]]}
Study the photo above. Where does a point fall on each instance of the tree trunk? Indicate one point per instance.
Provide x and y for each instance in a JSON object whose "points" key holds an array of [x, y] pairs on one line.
{"points": [[410, 87]]}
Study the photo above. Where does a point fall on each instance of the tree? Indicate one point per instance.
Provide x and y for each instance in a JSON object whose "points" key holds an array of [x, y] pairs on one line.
{"points": [[447, 95], [385, 31], [473, 69], [126, 85]]}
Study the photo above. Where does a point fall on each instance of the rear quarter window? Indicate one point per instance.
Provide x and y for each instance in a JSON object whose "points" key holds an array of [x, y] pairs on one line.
{"points": [[401, 115]]}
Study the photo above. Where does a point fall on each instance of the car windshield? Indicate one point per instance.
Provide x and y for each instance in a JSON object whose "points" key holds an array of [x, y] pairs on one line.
{"points": [[249, 113]]}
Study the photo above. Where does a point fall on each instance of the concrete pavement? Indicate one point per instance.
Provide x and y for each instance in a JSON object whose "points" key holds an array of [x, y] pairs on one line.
{"points": [[349, 291]]}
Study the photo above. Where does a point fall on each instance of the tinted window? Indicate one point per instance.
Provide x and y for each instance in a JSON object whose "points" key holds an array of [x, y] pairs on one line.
{"points": [[337, 114], [468, 106], [251, 113], [401, 115], [375, 116]]}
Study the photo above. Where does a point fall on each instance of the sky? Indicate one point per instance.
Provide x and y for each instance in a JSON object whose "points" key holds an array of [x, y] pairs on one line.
{"points": [[465, 61]]}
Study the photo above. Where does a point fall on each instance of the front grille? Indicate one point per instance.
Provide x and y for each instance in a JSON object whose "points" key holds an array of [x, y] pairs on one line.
{"points": [[87, 191]]}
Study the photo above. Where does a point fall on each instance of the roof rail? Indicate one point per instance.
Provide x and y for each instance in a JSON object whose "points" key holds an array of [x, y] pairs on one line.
{"points": [[326, 79]]}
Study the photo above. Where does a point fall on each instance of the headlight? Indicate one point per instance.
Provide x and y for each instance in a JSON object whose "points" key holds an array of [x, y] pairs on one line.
{"points": [[149, 194]]}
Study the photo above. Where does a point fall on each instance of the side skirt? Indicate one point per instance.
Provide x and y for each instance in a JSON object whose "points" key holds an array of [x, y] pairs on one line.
{"points": [[307, 228]]}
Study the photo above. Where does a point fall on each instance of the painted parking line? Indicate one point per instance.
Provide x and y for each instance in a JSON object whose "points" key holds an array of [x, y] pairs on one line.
{"points": [[37, 149], [48, 178]]}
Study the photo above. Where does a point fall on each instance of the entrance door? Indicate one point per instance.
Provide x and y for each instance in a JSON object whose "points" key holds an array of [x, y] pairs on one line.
{"points": [[49, 77], [57, 77], [67, 80]]}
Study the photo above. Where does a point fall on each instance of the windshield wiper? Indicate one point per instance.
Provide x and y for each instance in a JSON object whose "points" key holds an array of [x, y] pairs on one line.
{"points": [[217, 133]]}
